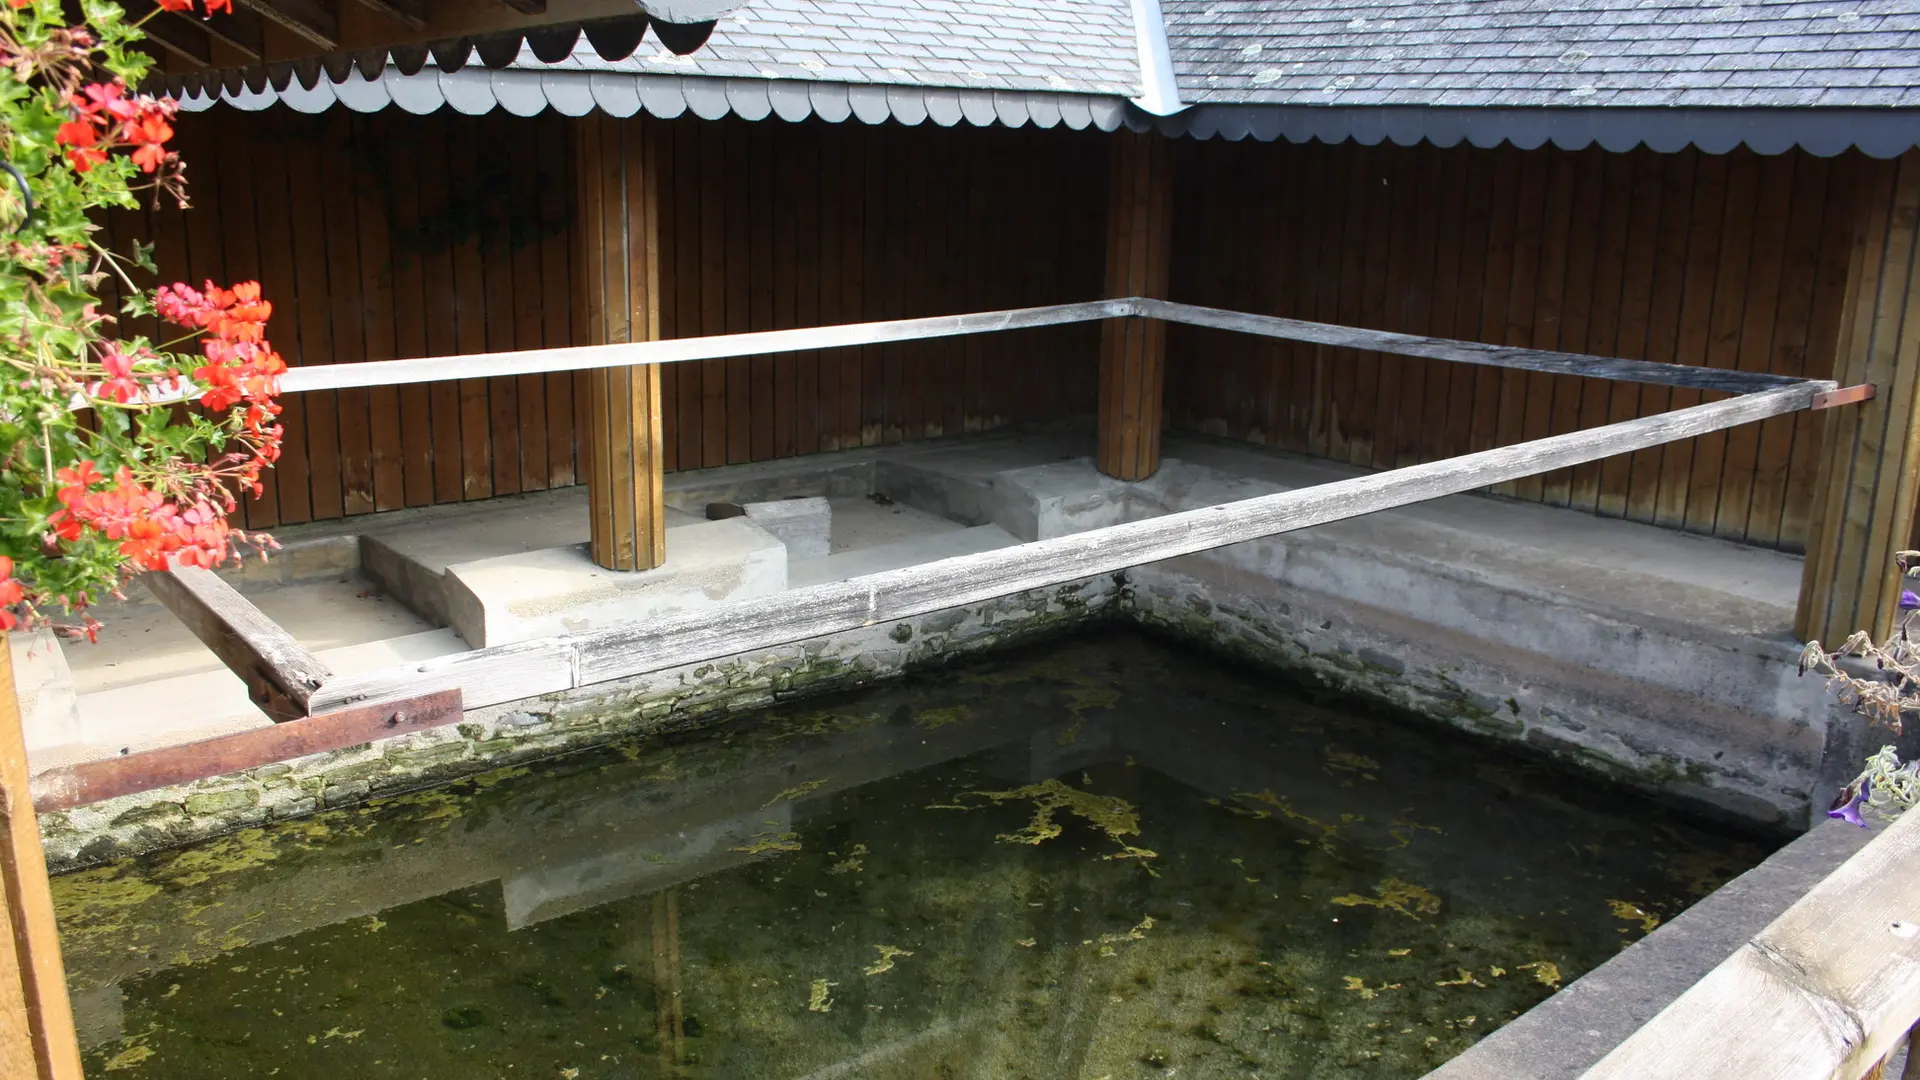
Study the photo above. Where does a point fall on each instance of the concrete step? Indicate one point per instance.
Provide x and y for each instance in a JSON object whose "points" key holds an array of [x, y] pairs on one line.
{"points": [[910, 552]]}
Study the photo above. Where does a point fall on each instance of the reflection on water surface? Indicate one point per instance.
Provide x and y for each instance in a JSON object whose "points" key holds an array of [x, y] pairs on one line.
{"points": [[1101, 858]]}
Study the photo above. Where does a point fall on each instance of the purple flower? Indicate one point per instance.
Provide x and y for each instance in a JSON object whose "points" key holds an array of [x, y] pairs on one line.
{"points": [[1847, 806], [1909, 600]]}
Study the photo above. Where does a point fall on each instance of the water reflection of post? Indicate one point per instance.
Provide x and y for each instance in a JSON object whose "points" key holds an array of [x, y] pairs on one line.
{"points": [[670, 1022]]}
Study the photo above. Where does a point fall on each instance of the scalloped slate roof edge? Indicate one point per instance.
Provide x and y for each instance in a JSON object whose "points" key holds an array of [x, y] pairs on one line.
{"points": [[1477, 71]]}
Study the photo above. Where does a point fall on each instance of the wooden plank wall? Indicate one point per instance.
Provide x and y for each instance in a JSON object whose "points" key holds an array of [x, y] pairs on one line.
{"points": [[1735, 261], [392, 235]]}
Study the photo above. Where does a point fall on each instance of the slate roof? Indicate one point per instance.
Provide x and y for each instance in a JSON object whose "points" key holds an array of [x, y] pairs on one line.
{"points": [[1069, 46], [1531, 53]]}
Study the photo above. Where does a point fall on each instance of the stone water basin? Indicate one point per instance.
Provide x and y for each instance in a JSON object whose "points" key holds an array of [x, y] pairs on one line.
{"points": [[1098, 858]]}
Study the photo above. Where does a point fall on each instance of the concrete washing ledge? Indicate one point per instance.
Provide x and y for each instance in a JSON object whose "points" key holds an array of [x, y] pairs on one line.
{"points": [[1656, 658], [1659, 659]]}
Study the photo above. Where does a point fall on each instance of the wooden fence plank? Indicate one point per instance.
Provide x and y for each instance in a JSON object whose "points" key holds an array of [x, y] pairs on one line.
{"points": [[1502, 254], [524, 279], [1732, 291], [557, 222], [684, 216], [441, 316], [1575, 316], [1846, 186], [241, 257], [470, 321], [321, 427], [714, 211], [1668, 291], [758, 273], [274, 224], [1773, 217], [1476, 245], [410, 315], [347, 310], [376, 288], [853, 284], [1607, 313], [1799, 272]]}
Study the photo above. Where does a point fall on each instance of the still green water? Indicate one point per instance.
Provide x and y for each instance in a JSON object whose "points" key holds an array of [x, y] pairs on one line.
{"points": [[1103, 858]]}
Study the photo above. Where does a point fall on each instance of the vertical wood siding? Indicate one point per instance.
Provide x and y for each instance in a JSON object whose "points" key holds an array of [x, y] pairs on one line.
{"points": [[1734, 261], [391, 235]]}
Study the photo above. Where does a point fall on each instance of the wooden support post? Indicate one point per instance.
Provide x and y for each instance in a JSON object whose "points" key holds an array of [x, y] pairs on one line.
{"points": [[1133, 350], [37, 1037], [1870, 457], [619, 285]]}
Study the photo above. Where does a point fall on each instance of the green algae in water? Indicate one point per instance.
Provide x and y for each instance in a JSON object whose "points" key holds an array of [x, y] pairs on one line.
{"points": [[1330, 895]]}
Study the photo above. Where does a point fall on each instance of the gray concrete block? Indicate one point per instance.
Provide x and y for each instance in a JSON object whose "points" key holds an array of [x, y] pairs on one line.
{"points": [[557, 591], [49, 703], [804, 524]]}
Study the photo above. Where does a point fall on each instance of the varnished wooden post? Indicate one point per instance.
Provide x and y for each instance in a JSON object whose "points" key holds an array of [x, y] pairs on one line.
{"points": [[618, 254], [36, 1020], [1870, 454], [1133, 351]]}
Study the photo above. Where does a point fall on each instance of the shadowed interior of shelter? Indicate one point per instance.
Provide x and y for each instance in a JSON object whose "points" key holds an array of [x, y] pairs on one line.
{"points": [[397, 236], [1730, 261], [392, 235]]}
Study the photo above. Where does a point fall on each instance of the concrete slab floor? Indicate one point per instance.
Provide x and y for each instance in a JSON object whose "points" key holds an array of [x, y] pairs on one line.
{"points": [[143, 641], [860, 523]]}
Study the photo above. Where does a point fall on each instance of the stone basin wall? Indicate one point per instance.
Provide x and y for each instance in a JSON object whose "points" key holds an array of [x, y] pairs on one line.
{"points": [[503, 735]]}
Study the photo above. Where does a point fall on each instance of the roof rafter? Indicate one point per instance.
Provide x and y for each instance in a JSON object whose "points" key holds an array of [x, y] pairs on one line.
{"points": [[314, 21]]}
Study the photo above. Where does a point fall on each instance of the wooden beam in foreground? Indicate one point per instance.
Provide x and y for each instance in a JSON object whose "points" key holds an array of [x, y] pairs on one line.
{"points": [[279, 672], [37, 1040], [93, 781], [1865, 495], [1823, 993], [1133, 352], [486, 676], [618, 248]]}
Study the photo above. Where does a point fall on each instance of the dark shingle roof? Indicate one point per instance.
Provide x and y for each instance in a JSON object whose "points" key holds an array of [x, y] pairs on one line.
{"points": [[1528, 53], [1073, 46]]}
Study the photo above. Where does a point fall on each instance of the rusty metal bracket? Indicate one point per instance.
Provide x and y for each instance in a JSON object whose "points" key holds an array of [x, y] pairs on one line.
{"points": [[1846, 395], [94, 781]]}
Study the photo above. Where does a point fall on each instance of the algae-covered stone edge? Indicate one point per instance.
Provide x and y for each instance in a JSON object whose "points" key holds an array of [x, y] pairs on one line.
{"points": [[507, 735]]}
